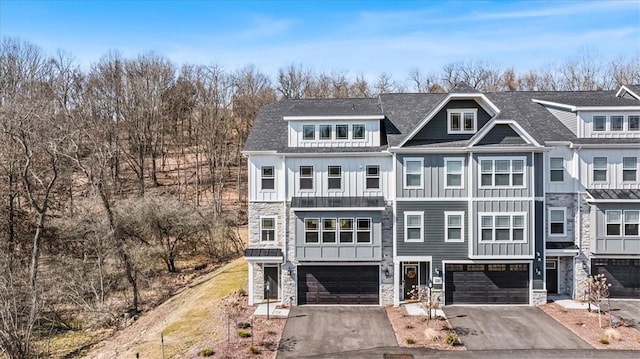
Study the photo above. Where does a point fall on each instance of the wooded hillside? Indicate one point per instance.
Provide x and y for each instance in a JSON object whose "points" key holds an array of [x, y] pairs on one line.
{"points": [[116, 178]]}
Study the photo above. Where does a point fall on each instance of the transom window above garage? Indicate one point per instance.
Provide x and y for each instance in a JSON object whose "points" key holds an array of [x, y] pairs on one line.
{"points": [[462, 121], [622, 223]]}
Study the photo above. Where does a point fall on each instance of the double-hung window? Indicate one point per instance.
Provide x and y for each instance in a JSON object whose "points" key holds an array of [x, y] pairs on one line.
{"points": [[363, 230], [617, 123], [502, 172], [309, 132], [413, 226], [600, 169], [453, 172], [268, 178], [634, 123], [311, 230], [267, 229], [556, 169], [346, 230], [631, 223], [373, 177], [454, 226], [334, 177], [557, 221], [599, 123], [413, 172], [358, 131], [502, 227], [329, 230], [306, 177], [629, 169], [462, 121], [614, 223]]}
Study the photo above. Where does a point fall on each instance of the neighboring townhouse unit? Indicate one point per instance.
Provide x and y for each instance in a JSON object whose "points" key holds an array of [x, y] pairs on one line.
{"points": [[499, 198]]}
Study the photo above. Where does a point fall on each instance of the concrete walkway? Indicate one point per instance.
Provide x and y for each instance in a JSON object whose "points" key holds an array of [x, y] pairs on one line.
{"points": [[273, 308]]}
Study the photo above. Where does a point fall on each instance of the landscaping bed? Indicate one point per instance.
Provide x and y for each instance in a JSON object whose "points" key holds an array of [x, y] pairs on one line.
{"points": [[419, 331], [586, 325]]}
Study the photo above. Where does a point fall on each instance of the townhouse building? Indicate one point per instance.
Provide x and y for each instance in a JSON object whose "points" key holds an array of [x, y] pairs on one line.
{"points": [[487, 198]]}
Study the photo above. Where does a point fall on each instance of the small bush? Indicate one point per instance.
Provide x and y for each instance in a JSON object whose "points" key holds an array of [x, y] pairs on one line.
{"points": [[452, 339], [255, 351], [244, 333], [410, 341], [207, 352], [431, 335], [242, 292], [612, 335], [604, 341]]}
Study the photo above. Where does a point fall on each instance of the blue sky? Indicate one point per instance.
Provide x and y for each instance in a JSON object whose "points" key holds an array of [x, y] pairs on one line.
{"points": [[361, 37]]}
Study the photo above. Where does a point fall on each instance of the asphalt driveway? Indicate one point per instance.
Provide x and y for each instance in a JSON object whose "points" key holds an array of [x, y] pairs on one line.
{"points": [[315, 330], [627, 310], [510, 327]]}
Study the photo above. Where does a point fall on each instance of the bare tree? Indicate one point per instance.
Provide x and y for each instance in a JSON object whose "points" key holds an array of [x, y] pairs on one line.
{"points": [[294, 81]]}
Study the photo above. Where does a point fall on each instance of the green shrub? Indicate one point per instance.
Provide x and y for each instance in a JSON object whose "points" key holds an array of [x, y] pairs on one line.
{"points": [[410, 341], [244, 333], [452, 339], [207, 352], [604, 341], [254, 350]]}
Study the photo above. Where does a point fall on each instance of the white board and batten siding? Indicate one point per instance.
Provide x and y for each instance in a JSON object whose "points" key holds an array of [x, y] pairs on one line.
{"points": [[256, 193], [570, 175], [371, 138], [586, 124], [353, 176], [614, 168]]}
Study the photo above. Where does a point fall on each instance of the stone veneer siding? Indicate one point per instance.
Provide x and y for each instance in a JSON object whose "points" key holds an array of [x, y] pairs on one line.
{"points": [[262, 209], [539, 297], [582, 265]]}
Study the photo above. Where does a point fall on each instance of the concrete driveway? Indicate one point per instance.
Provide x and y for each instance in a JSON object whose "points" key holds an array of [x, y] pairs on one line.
{"points": [[510, 327], [627, 310], [312, 331]]}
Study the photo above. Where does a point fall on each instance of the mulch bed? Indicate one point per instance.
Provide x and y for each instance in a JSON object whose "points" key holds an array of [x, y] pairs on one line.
{"points": [[410, 330]]}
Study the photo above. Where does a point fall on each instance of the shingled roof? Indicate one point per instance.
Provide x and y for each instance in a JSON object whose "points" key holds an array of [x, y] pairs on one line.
{"points": [[403, 112]]}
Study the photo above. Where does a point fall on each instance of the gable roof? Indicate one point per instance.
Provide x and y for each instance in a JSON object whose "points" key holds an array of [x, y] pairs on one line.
{"points": [[576, 100], [513, 125], [632, 90]]}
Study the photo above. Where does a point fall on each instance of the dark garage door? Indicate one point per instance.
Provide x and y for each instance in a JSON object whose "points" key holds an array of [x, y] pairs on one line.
{"points": [[338, 285], [487, 283], [622, 274]]}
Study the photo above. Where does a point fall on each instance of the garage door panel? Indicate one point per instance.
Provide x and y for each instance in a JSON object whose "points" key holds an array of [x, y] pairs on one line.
{"points": [[486, 284], [622, 274], [338, 285]]}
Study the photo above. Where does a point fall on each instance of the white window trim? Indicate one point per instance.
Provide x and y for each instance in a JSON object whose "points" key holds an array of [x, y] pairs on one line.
{"points": [[315, 133], [406, 233], [351, 130], [348, 131], [462, 111], [367, 176], [352, 231], [593, 123], [557, 169], [593, 169], [341, 179], [317, 230], [334, 231], [404, 170], [628, 123], [446, 172], [611, 123], [313, 179], [511, 215], [275, 228], [333, 131], [635, 169], [356, 231], [446, 226], [564, 224], [493, 171], [262, 177], [620, 223], [624, 223]]}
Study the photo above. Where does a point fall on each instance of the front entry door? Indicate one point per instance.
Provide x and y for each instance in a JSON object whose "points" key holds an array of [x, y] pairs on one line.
{"points": [[552, 277], [271, 277], [410, 279]]}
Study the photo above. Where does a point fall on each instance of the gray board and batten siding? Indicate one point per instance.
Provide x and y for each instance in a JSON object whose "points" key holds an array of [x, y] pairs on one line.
{"points": [[434, 231], [504, 248], [612, 244], [435, 131], [501, 135], [434, 177], [337, 251]]}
